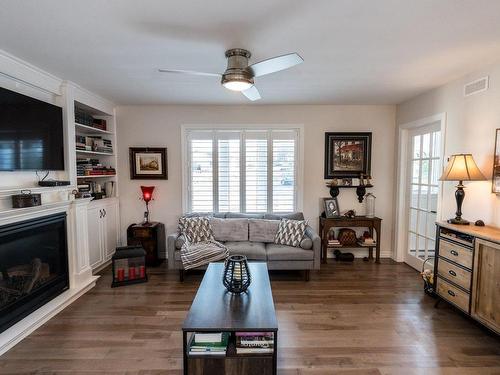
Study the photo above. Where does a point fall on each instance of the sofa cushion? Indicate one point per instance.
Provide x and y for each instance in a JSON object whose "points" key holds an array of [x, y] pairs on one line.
{"points": [[290, 232], [252, 250], [229, 229], [196, 229], [291, 216], [261, 230], [306, 243], [282, 252], [237, 215]]}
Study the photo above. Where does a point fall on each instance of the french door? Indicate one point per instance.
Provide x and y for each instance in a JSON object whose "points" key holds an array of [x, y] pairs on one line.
{"points": [[424, 168]]}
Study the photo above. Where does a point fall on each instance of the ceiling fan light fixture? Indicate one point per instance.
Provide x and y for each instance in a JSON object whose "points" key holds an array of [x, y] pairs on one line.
{"points": [[237, 85]]}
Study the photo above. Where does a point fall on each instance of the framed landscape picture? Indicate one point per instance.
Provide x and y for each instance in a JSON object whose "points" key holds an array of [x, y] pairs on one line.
{"points": [[347, 155], [495, 188], [148, 163]]}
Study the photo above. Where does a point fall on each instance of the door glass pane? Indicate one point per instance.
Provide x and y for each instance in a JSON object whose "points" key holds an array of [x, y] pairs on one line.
{"points": [[424, 190], [425, 172], [421, 247], [426, 144], [415, 171], [421, 223], [414, 196], [413, 220], [413, 244], [433, 199]]}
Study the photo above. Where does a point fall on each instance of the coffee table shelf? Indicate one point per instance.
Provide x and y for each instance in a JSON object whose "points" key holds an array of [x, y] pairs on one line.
{"points": [[214, 309]]}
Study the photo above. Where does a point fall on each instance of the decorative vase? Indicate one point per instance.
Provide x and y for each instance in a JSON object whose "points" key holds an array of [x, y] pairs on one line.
{"points": [[370, 205], [236, 276]]}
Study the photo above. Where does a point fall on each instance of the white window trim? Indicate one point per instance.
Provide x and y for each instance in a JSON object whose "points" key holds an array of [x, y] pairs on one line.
{"points": [[186, 128]]}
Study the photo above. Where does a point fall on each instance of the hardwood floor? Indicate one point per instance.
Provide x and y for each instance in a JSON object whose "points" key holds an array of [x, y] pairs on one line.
{"points": [[349, 319]]}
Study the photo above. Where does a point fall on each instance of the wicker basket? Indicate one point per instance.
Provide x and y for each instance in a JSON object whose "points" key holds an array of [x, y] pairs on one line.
{"points": [[347, 237]]}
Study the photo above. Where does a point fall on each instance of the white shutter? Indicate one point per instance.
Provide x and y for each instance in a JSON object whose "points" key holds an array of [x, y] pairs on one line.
{"points": [[284, 171], [229, 171], [201, 174], [256, 172]]}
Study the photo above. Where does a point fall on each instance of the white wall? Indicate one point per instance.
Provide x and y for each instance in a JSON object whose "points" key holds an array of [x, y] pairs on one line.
{"points": [[161, 126], [470, 128]]}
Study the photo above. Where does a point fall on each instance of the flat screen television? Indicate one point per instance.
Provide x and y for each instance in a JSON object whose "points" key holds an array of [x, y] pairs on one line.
{"points": [[31, 134]]}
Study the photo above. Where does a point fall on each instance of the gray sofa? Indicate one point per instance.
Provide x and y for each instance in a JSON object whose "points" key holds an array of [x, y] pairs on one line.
{"points": [[252, 235]]}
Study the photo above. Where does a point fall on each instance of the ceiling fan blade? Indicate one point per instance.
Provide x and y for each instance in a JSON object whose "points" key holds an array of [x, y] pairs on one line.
{"points": [[275, 64], [192, 72], [252, 93]]}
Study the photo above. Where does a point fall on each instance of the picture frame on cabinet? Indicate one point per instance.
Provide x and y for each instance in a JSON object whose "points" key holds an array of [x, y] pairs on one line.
{"points": [[148, 163]]}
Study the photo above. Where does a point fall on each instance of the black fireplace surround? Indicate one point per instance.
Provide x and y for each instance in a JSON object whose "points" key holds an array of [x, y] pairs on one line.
{"points": [[33, 266]]}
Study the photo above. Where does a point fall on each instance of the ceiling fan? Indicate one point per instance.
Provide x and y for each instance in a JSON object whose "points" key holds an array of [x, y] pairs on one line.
{"points": [[239, 76]]}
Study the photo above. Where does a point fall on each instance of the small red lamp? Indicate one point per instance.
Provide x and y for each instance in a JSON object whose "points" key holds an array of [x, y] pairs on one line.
{"points": [[147, 196]]}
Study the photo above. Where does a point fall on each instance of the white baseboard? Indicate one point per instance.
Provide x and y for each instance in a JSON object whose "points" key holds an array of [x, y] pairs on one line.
{"points": [[23, 328]]}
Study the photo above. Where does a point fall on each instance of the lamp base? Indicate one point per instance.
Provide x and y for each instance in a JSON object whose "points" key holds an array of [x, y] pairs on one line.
{"points": [[458, 221]]}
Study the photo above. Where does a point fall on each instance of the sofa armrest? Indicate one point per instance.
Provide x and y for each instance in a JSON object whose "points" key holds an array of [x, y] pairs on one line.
{"points": [[171, 239], [316, 239]]}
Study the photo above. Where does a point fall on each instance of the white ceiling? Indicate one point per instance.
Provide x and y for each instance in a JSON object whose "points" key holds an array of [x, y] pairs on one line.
{"points": [[355, 51]]}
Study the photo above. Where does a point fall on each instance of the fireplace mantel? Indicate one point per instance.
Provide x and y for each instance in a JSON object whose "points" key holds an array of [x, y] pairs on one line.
{"points": [[80, 274]]}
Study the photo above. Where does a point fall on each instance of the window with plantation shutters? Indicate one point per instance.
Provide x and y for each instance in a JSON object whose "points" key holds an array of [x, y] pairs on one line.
{"points": [[242, 170]]}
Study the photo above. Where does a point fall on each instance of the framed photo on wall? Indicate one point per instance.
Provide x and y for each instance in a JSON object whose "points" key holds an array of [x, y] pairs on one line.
{"points": [[148, 163], [347, 155], [495, 187], [331, 208]]}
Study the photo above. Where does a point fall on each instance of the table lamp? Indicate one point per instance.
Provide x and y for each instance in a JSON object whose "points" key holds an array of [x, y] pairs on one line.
{"points": [[147, 196], [461, 167]]}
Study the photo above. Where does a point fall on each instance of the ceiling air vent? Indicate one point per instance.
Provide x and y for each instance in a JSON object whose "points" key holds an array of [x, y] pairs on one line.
{"points": [[477, 86]]}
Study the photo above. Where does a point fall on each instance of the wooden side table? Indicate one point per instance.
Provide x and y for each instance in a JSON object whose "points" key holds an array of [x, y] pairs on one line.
{"points": [[371, 223], [151, 237]]}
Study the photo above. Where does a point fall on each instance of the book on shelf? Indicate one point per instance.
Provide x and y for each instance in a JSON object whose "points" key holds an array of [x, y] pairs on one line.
{"points": [[209, 343], [334, 243], [254, 342]]}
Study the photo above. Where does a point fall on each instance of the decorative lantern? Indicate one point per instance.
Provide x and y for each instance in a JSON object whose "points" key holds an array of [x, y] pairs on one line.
{"points": [[129, 266], [236, 276], [147, 196], [370, 205]]}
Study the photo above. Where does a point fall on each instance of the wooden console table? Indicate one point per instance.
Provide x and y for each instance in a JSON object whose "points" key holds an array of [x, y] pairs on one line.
{"points": [[371, 223]]}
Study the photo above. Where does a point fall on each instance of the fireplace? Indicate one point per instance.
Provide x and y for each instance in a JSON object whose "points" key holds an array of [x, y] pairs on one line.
{"points": [[33, 266]]}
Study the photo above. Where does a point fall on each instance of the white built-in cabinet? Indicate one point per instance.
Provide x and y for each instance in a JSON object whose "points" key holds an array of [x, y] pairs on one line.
{"points": [[103, 231]]}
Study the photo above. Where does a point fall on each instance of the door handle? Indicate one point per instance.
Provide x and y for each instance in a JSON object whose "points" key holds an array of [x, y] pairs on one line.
{"points": [[100, 214], [104, 212]]}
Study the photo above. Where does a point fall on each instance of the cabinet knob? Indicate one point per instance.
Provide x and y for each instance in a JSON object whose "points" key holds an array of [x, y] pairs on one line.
{"points": [[453, 252], [451, 293], [452, 273]]}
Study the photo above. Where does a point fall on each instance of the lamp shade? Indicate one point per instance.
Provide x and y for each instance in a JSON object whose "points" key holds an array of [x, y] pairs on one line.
{"points": [[462, 167], [147, 193]]}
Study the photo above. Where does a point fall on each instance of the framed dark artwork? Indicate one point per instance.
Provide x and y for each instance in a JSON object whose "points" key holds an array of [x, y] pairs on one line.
{"points": [[331, 207], [495, 186], [148, 163], [347, 155]]}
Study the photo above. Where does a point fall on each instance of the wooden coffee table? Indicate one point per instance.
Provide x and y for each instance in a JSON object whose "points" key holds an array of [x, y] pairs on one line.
{"points": [[214, 309]]}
